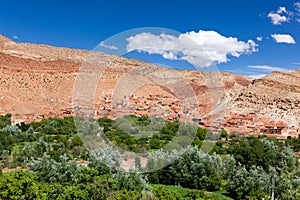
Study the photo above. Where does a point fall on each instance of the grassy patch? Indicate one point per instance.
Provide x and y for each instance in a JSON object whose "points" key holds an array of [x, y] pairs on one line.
{"points": [[186, 193]]}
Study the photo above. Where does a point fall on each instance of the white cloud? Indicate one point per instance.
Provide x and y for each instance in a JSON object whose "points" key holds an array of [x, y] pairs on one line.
{"points": [[282, 15], [277, 19], [108, 46], [283, 38], [202, 49], [259, 38], [267, 68], [281, 10], [15, 37], [259, 71], [257, 76], [296, 63]]}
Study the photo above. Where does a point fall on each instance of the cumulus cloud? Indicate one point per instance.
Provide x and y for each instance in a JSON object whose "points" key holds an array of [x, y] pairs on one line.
{"points": [[259, 38], [15, 37], [280, 16], [283, 15], [277, 19], [202, 49], [267, 68], [102, 44], [283, 38]]}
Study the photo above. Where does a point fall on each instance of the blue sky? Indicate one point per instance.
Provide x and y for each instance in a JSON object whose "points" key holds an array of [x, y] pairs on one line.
{"points": [[84, 25]]}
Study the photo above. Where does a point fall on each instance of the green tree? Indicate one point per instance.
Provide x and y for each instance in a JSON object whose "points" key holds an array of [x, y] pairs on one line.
{"points": [[51, 171], [249, 182], [21, 185], [131, 181], [105, 160], [5, 120]]}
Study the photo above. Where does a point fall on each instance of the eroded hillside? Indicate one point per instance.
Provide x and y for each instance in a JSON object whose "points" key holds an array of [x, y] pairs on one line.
{"points": [[41, 79]]}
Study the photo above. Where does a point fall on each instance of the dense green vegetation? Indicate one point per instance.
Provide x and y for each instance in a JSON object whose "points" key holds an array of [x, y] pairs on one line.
{"points": [[185, 162]]}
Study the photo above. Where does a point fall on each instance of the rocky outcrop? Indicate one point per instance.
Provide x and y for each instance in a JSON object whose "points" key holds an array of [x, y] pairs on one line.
{"points": [[273, 99]]}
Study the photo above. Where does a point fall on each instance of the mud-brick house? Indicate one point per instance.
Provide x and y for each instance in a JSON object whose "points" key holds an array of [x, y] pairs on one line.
{"points": [[273, 128]]}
